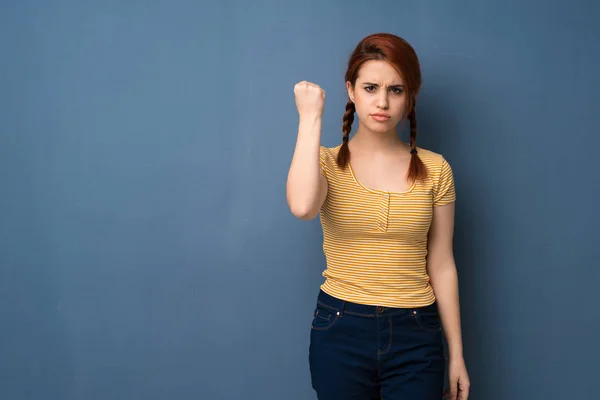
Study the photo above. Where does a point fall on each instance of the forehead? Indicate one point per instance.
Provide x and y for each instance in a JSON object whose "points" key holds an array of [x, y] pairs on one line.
{"points": [[380, 72]]}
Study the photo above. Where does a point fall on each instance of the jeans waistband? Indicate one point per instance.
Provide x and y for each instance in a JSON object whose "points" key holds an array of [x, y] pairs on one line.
{"points": [[347, 307]]}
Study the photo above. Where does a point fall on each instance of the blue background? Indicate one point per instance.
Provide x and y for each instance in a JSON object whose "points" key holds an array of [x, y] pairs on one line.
{"points": [[146, 248]]}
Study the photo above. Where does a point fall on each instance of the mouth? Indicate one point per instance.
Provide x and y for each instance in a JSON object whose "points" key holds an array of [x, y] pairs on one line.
{"points": [[380, 117]]}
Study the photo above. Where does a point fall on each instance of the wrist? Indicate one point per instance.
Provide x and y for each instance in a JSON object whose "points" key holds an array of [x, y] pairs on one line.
{"points": [[455, 358], [455, 347], [310, 117]]}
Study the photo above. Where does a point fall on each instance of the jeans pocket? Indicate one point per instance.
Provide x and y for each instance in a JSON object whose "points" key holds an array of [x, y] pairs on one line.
{"points": [[324, 317], [428, 320]]}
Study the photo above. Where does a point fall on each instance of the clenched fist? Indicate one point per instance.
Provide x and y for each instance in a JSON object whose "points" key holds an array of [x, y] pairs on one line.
{"points": [[310, 99]]}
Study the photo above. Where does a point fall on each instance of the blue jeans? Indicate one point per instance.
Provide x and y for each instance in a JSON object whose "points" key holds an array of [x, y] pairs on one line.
{"points": [[360, 352]]}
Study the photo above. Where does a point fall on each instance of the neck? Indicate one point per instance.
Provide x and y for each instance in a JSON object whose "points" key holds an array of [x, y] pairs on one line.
{"points": [[370, 141]]}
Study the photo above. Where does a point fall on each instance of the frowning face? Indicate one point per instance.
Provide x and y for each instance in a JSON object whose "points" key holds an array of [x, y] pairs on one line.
{"points": [[379, 96]]}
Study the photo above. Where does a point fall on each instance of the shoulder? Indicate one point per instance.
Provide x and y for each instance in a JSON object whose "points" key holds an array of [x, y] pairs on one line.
{"points": [[430, 158], [436, 163], [329, 155], [440, 175], [330, 152], [327, 160]]}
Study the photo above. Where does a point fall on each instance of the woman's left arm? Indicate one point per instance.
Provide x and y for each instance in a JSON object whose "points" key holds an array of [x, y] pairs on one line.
{"points": [[444, 281]]}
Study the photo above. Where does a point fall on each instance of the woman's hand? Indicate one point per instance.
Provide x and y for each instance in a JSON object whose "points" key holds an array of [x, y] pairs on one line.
{"points": [[310, 99], [459, 381]]}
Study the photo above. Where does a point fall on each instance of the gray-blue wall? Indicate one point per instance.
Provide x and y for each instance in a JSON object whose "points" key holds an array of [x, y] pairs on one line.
{"points": [[146, 249]]}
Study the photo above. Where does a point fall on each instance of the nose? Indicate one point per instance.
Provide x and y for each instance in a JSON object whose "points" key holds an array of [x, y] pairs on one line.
{"points": [[382, 100]]}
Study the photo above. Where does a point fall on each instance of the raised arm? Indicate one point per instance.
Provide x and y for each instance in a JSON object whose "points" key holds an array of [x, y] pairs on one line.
{"points": [[306, 187]]}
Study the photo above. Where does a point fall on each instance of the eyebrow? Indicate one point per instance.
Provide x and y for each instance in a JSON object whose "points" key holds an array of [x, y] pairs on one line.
{"points": [[374, 84]]}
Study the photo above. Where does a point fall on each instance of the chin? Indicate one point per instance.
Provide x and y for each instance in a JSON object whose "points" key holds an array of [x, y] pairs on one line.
{"points": [[381, 128]]}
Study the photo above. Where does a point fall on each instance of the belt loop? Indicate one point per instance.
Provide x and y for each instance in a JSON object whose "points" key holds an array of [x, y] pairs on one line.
{"points": [[341, 310]]}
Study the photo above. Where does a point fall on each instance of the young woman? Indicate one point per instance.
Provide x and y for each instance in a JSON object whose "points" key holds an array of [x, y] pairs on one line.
{"points": [[387, 213]]}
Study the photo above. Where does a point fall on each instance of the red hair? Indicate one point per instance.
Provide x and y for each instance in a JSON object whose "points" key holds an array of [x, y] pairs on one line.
{"points": [[401, 55]]}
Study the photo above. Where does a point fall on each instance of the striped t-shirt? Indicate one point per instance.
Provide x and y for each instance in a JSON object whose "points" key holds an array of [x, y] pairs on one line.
{"points": [[375, 242]]}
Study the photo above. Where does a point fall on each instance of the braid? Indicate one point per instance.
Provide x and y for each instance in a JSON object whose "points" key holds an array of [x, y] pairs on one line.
{"points": [[412, 118], [344, 153], [416, 170]]}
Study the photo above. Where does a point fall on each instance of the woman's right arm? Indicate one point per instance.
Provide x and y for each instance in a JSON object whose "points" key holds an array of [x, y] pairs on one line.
{"points": [[306, 187]]}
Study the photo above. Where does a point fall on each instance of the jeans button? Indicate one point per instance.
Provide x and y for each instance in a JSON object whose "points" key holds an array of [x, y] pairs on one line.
{"points": [[380, 309]]}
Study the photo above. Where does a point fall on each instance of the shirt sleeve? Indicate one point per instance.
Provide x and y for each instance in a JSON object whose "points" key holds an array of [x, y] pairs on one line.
{"points": [[444, 191]]}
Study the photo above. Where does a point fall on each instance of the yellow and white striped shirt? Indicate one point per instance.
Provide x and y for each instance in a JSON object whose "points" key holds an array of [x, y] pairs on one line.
{"points": [[375, 242]]}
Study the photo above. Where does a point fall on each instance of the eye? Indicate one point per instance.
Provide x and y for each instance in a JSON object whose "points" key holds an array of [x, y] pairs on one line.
{"points": [[397, 90], [370, 88]]}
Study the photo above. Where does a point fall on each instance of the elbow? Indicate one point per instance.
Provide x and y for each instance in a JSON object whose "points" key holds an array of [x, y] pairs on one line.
{"points": [[303, 213], [441, 272], [304, 207]]}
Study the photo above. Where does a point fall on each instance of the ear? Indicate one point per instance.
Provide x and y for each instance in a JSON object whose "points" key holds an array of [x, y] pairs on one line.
{"points": [[350, 90]]}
